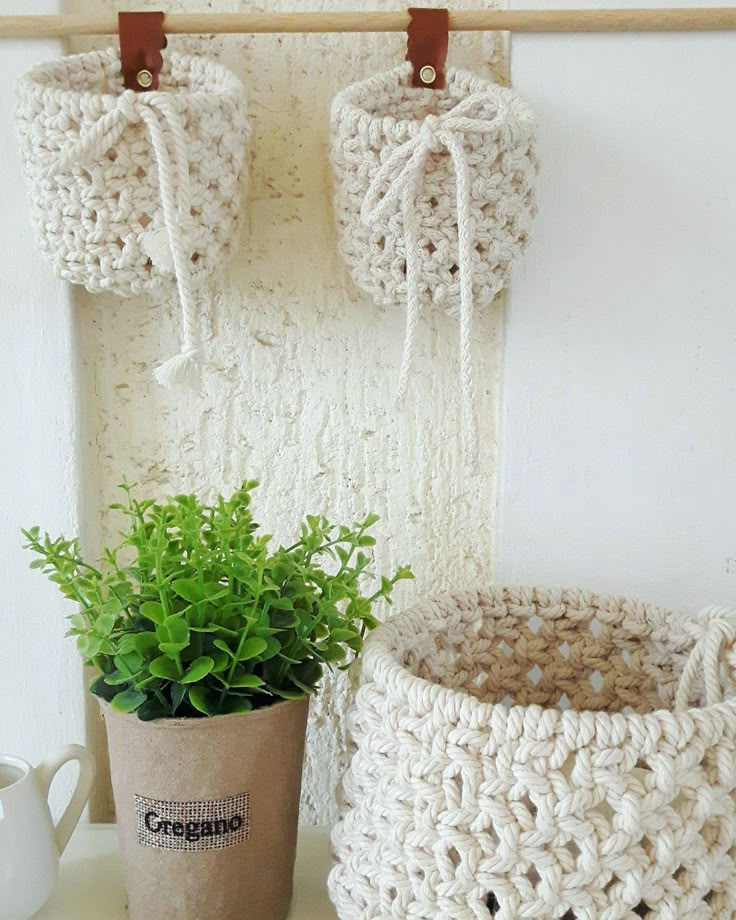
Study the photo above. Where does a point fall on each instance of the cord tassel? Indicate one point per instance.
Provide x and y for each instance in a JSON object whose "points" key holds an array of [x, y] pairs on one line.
{"points": [[183, 369]]}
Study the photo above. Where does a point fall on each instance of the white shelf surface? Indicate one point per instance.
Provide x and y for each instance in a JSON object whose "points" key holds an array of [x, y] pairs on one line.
{"points": [[91, 885]]}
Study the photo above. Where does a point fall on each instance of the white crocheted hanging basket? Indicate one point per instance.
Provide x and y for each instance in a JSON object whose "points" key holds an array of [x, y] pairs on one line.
{"points": [[434, 194], [544, 754], [131, 191]]}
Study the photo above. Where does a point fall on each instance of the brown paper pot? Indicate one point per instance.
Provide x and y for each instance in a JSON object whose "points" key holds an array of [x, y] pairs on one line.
{"points": [[207, 812]]}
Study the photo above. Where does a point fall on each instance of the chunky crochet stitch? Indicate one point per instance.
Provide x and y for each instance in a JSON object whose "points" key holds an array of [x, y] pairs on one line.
{"points": [[526, 753], [132, 191], [434, 197]]}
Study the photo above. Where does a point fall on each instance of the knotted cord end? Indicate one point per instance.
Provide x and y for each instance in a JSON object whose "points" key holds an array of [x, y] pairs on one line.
{"points": [[181, 370]]}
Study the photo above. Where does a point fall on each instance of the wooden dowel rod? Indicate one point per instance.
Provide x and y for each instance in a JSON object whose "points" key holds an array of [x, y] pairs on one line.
{"points": [[705, 19]]}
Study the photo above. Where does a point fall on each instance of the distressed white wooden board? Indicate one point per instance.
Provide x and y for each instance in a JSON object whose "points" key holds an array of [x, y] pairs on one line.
{"points": [[302, 366]]}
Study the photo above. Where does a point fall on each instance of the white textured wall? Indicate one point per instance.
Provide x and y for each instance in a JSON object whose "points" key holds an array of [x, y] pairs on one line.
{"points": [[302, 366], [619, 390], [41, 693]]}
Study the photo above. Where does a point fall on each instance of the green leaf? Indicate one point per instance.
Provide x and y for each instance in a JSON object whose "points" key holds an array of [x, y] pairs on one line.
{"points": [[213, 590], [189, 589], [89, 645], [251, 648], [343, 635], [153, 611], [286, 694], [221, 661], [129, 664], [116, 678], [152, 709], [128, 700], [247, 680], [224, 647], [165, 668], [213, 628], [78, 621], [126, 644], [198, 669], [202, 699], [234, 705], [273, 647], [282, 603], [307, 688], [100, 687], [178, 692], [284, 620], [145, 642], [173, 635], [173, 629]]}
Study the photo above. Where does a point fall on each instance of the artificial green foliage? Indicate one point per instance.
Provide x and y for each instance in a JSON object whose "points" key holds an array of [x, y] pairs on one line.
{"points": [[193, 614]]}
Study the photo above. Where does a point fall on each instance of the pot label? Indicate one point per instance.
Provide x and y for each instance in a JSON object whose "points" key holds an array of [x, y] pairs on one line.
{"points": [[192, 826]]}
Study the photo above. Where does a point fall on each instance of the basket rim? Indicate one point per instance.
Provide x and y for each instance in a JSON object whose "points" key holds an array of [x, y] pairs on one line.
{"points": [[227, 85], [381, 666], [347, 104]]}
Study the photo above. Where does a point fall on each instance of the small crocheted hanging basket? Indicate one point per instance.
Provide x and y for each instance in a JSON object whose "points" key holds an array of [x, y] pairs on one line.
{"points": [[434, 194], [131, 191], [541, 754]]}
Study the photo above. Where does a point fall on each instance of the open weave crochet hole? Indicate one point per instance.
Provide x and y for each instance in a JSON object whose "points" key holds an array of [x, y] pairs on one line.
{"points": [[535, 674], [579, 659], [670, 849]]}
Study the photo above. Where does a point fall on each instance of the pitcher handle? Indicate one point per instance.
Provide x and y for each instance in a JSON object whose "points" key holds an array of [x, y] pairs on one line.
{"points": [[48, 769]]}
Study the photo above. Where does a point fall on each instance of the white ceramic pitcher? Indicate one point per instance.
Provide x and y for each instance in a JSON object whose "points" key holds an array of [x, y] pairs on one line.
{"points": [[30, 845]]}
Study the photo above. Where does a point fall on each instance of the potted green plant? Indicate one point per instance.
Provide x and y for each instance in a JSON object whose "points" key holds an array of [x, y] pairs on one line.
{"points": [[208, 644]]}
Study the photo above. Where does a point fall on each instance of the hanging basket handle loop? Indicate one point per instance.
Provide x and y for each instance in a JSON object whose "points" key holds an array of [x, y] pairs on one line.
{"points": [[428, 39], [715, 644]]}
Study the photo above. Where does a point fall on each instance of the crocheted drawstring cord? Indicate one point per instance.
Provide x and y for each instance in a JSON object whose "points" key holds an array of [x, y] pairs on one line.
{"points": [[399, 179], [173, 173]]}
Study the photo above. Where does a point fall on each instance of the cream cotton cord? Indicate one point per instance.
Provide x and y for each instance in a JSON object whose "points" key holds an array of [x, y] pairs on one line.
{"points": [[173, 174], [434, 198], [553, 753], [401, 177]]}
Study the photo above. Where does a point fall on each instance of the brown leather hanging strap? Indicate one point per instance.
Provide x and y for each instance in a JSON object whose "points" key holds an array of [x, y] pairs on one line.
{"points": [[429, 37], [141, 40]]}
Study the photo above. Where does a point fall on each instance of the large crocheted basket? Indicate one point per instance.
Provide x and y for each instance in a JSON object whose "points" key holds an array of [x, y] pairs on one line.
{"points": [[434, 193], [526, 753], [131, 191]]}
